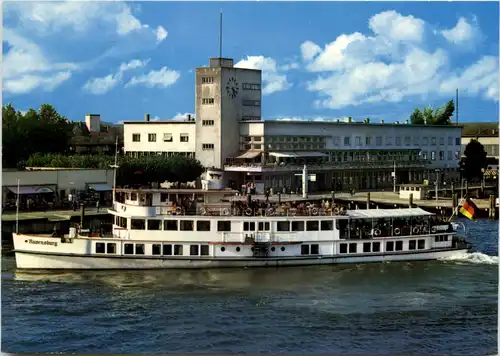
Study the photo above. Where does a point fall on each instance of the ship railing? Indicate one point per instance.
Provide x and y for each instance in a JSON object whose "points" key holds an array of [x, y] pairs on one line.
{"points": [[259, 237], [285, 211]]}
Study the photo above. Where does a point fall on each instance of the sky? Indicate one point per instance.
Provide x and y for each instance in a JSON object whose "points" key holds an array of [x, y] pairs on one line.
{"points": [[319, 61]]}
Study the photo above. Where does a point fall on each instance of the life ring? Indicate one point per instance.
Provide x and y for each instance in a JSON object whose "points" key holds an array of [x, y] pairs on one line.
{"points": [[377, 232], [225, 212], [248, 212], [203, 211], [397, 231], [416, 230], [178, 210], [293, 211], [434, 229], [314, 211], [270, 212]]}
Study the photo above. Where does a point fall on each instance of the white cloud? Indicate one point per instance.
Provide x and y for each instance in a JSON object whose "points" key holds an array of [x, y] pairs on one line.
{"points": [[479, 78], [396, 27], [162, 78], [462, 33], [102, 85], [273, 79], [25, 67], [309, 50], [180, 116], [161, 34], [389, 67]]}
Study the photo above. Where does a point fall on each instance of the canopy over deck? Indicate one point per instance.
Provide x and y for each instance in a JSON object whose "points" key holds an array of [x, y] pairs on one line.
{"points": [[386, 213]]}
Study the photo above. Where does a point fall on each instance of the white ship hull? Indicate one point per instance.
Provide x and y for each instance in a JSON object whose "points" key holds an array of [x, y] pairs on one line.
{"points": [[46, 261]]}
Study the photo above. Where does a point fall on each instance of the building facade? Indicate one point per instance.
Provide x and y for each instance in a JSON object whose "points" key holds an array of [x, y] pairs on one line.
{"points": [[229, 135], [487, 134]]}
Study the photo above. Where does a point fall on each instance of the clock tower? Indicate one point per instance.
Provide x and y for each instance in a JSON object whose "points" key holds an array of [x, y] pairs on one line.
{"points": [[225, 96]]}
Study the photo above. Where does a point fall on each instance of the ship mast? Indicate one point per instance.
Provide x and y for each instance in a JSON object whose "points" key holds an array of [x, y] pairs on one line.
{"points": [[115, 167]]}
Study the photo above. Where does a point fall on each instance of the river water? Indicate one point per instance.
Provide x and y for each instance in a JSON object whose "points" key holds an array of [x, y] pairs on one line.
{"points": [[426, 308]]}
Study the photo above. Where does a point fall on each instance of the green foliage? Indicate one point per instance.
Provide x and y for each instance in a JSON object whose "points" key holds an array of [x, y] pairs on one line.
{"points": [[42, 131], [142, 170], [440, 116], [475, 160]]}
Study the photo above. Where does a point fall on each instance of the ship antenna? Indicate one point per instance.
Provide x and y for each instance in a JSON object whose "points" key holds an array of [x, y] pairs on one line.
{"points": [[220, 34], [115, 167], [17, 206]]}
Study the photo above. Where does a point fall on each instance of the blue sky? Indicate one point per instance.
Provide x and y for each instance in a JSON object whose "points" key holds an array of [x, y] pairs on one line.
{"points": [[319, 60]]}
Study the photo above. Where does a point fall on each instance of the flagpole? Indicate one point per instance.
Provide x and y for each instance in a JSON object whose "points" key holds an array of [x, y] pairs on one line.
{"points": [[17, 207], [456, 209]]}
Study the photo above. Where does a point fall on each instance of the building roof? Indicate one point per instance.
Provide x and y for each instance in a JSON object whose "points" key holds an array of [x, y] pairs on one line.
{"points": [[142, 122], [357, 123], [480, 129]]}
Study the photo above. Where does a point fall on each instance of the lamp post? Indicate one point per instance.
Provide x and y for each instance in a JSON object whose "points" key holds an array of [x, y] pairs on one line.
{"points": [[461, 182], [482, 182], [437, 170]]}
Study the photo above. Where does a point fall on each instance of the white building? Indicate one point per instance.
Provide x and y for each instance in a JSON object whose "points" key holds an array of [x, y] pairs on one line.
{"points": [[228, 134]]}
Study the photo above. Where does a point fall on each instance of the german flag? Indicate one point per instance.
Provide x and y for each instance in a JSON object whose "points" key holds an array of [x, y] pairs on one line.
{"points": [[469, 209]]}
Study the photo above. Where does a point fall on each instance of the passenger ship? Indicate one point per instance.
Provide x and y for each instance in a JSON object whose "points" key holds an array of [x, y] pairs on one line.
{"points": [[195, 228]]}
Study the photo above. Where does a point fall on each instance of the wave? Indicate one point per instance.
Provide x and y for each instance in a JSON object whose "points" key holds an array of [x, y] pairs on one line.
{"points": [[474, 257]]}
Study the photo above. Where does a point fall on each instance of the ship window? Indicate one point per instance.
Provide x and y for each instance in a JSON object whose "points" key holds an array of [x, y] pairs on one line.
{"points": [[238, 249], [203, 225], [248, 226], [223, 225], [170, 225], [399, 245], [327, 225], [297, 226], [178, 250], [304, 249], [111, 247], [343, 248], [122, 222], [314, 249], [100, 247], [154, 224], [273, 248], [133, 196], [282, 248], [264, 226], [204, 250], [376, 247], [312, 226], [353, 247], [389, 246], [194, 250], [283, 226], [163, 197], [129, 249], [367, 247], [138, 224], [187, 225], [139, 249], [167, 250], [421, 244], [412, 245], [223, 249], [156, 249]]}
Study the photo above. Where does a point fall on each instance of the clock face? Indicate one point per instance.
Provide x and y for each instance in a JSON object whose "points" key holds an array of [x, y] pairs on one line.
{"points": [[232, 88]]}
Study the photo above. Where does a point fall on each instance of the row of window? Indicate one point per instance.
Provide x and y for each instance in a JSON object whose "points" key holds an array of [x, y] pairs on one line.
{"points": [[390, 246], [167, 137], [208, 122], [207, 80], [398, 141], [162, 153], [441, 155], [251, 103], [249, 86], [207, 146], [224, 226], [250, 118], [207, 101], [157, 249]]}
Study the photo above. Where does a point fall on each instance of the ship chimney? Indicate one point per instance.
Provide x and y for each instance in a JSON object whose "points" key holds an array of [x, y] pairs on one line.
{"points": [[146, 117], [188, 117]]}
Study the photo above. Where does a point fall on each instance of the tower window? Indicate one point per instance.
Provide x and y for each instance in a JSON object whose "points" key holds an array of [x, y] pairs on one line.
{"points": [[208, 122], [207, 80], [207, 101], [207, 146]]}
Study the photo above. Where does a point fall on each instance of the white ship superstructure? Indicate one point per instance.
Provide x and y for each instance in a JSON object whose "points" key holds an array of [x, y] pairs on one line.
{"points": [[193, 228]]}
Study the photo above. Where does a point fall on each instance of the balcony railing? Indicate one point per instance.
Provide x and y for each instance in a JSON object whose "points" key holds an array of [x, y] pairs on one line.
{"points": [[326, 165]]}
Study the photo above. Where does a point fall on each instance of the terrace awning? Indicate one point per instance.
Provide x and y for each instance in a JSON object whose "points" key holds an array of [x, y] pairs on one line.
{"points": [[25, 190], [250, 154], [387, 213], [297, 154], [100, 187]]}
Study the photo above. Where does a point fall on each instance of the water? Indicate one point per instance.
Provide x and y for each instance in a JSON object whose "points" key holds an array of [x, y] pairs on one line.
{"points": [[426, 308]]}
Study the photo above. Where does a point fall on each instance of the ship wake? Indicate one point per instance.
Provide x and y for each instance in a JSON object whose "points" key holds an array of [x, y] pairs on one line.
{"points": [[474, 257]]}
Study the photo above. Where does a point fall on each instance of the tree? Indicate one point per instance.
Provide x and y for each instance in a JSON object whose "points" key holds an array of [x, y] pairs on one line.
{"points": [[42, 131], [475, 160], [439, 116]]}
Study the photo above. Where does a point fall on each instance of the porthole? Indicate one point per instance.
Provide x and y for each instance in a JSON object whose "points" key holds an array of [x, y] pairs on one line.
{"points": [[273, 249], [282, 248], [238, 249], [223, 249]]}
